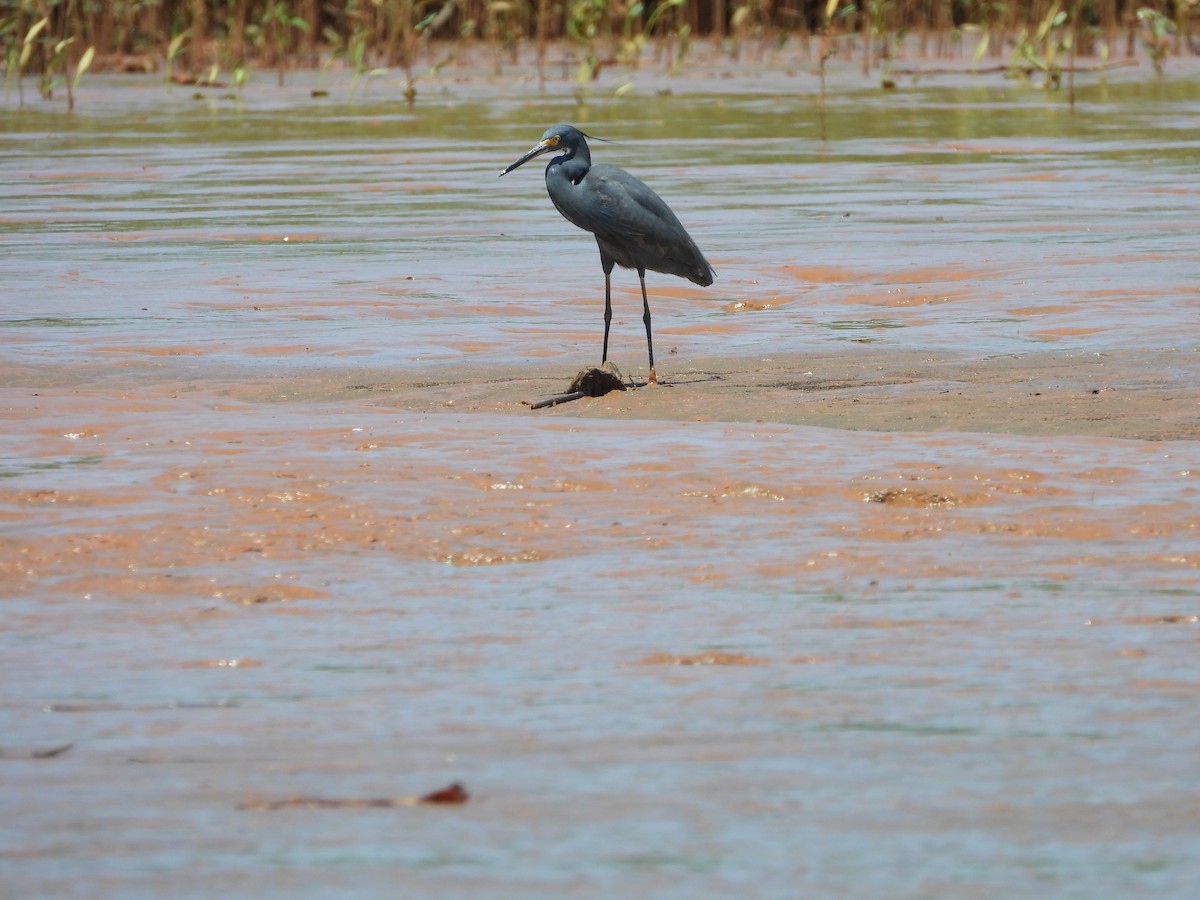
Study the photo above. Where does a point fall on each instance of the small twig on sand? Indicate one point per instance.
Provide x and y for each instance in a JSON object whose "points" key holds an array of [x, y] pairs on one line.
{"points": [[557, 399], [590, 382]]}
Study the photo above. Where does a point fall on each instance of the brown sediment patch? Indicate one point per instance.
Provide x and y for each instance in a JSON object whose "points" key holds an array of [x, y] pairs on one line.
{"points": [[924, 299], [910, 527], [118, 576], [38, 497], [1107, 474], [672, 291], [1052, 333], [85, 433], [580, 484], [471, 346], [934, 276], [536, 352], [153, 351], [699, 329], [1063, 524], [489, 557], [1009, 480], [245, 595], [914, 498], [822, 274], [1043, 310], [753, 306], [426, 308], [710, 658], [1166, 684], [292, 350], [1189, 561], [739, 490], [1031, 176], [81, 498]]}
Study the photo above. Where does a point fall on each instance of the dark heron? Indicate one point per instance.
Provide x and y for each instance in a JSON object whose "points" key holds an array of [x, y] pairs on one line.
{"points": [[632, 225]]}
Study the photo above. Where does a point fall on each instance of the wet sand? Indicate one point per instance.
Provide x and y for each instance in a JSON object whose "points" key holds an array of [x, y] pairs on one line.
{"points": [[912, 615], [246, 616], [1143, 395]]}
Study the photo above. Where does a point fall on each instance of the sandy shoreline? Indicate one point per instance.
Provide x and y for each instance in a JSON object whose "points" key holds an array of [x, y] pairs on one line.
{"points": [[1132, 394], [1141, 395]]}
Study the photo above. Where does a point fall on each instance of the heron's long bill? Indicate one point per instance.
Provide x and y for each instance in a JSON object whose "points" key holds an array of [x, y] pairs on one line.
{"points": [[539, 148]]}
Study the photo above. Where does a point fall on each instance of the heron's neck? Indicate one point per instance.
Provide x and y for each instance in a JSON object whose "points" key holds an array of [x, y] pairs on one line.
{"points": [[572, 165]]}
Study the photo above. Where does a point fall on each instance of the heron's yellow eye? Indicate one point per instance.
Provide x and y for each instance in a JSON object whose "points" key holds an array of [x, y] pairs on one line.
{"points": [[552, 141]]}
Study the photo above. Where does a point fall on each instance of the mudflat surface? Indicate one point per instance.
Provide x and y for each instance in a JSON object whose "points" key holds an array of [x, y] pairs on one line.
{"points": [[1147, 395], [890, 588]]}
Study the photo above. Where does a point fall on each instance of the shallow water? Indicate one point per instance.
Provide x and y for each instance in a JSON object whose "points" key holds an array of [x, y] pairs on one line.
{"points": [[664, 657], [983, 218]]}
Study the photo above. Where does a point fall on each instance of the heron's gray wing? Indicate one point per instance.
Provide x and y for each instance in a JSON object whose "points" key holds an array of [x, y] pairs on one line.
{"points": [[624, 205], [637, 227]]}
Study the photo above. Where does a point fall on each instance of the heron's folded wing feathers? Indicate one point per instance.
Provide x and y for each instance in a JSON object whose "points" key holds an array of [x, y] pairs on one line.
{"points": [[624, 212]]}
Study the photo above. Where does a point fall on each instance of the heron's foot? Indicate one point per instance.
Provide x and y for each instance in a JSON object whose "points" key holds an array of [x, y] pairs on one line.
{"points": [[653, 379]]}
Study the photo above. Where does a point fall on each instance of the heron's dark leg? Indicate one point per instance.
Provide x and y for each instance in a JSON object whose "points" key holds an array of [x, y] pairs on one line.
{"points": [[608, 267], [653, 379]]}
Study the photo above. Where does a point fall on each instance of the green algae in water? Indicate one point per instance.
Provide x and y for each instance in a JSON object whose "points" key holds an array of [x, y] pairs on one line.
{"points": [[56, 322], [15, 469]]}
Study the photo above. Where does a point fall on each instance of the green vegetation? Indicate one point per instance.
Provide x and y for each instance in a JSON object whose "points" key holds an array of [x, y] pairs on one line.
{"points": [[34, 45], [195, 40]]}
